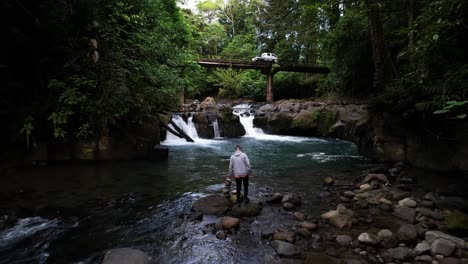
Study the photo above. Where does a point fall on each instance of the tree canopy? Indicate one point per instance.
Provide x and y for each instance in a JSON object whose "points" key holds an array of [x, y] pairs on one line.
{"points": [[72, 69]]}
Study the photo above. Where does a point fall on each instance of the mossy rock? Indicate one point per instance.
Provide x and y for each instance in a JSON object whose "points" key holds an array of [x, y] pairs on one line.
{"points": [[456, 221], [319, 121]]}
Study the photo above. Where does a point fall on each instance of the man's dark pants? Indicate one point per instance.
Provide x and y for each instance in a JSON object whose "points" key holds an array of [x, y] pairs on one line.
{"points": [[239, 182]]}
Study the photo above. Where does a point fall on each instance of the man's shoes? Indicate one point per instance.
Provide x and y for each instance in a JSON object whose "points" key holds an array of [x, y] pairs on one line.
{"points": [[246, 200]]}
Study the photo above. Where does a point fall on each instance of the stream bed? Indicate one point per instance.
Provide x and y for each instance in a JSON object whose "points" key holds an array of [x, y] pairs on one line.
{"points": [[74, 213]]}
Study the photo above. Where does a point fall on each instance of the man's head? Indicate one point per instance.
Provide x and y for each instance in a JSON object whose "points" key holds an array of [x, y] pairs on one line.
{"points": [[238, 148]]}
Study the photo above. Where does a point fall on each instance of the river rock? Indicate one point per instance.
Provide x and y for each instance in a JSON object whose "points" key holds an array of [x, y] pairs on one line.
{"points": [[284, 249], [432, 235], [126, 256], [405, 213], [195, 216], [434, 214], [341, 221], [384, 235], [398, 194], [365, 187], [309, 226], [349, 194], [430, 196], [328, 181], [287, 236], [288, 206], [250, 209], [230, 222], [373, 176], [408, 202], [275, 198], [385, 201], [368, 238], [341, 209], [421, 248], [407, 233], [328, 215], [343, 240], [400, 253], [292, 198], [303, 232], [299, 216], [221, 235], [424, 258], [442, 246], [214, 204]]}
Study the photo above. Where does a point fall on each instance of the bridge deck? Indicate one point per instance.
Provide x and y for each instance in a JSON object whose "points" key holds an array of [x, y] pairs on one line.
{"points": [[261, 65]]}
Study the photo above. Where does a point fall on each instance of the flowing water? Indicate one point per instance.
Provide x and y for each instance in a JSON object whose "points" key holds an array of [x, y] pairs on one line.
{"points": [[74, 213]]}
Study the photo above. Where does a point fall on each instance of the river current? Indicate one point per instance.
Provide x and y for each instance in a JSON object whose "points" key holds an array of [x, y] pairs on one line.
{"points": [[74, 213]]}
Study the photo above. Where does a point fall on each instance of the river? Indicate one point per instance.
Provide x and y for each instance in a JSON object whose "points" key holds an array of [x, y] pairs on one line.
{"points": [[75, 212]]}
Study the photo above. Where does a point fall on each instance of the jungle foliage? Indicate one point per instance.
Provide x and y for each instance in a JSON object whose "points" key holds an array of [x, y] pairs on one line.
{"points": [[74, 68]]}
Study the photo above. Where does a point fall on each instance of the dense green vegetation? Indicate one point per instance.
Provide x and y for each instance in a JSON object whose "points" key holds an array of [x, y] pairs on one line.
{"points": [[72, 69]]}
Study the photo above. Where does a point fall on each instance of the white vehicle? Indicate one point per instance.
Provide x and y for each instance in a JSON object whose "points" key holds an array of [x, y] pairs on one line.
{"points": [[266, 57]]}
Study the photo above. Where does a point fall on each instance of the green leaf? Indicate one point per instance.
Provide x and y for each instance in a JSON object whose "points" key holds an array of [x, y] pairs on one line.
{"points": [[443, 111], [435, 36], [462, 116]]}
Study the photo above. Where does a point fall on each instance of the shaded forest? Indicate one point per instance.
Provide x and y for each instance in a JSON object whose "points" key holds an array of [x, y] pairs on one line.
{"points": [[76, 68]]}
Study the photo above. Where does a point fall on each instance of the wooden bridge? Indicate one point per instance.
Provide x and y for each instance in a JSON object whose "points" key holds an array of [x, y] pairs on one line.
{"points": [[267, 68]]}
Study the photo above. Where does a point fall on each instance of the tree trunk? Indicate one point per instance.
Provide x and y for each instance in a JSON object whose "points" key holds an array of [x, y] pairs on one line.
{"points": [[410, 12], [382, 62]]}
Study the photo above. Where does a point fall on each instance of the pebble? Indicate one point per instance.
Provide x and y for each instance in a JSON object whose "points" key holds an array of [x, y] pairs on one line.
{"points": [[365, 187], [328, 181], [288, 206], [309, 226], [286, 236], [299, 216], [328, 215]]}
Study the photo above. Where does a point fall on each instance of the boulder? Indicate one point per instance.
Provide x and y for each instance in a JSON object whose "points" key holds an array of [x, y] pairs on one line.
{"points": [[126, 256], [368, 238], [230, 222], [250, 209], [287, 236], [407, 233], [400, 253], [214, 204], [432, 235], [408, 202], [421, 248], [405, 213], [443, 247], [309, 226], [343, 240], [341, 221], [292, 198], [285, 249], [328, 215], [328, 181]]}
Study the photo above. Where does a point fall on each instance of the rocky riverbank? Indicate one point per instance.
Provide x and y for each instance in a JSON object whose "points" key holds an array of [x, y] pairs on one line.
{"points": [[381, 217]]}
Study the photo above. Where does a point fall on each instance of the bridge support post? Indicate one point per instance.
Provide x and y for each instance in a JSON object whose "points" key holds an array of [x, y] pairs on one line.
{"points": [[269, 92]]}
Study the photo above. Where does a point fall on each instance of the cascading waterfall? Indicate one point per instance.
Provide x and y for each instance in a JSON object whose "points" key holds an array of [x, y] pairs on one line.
{"points": [[216, 132], [188, 128], [247, 116]]}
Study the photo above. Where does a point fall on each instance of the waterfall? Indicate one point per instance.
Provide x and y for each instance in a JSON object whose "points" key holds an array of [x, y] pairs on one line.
{"points": [[188, 128], [247, 117], [216, 128]]}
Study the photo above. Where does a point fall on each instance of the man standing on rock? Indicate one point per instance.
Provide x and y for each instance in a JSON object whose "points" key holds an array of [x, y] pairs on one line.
{"points": [[239, 168]]}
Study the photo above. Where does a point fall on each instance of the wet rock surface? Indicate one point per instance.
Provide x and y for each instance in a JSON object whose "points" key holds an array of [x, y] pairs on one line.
{"points": [[385, 221]]}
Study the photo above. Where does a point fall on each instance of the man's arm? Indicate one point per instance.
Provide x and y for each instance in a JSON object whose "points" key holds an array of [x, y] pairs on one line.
{"points": [[231, 169]]}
